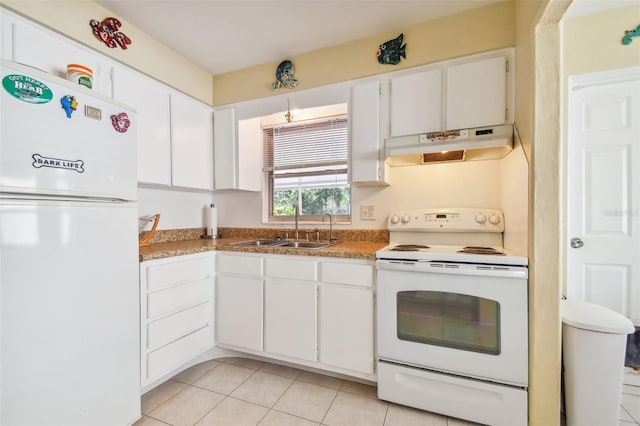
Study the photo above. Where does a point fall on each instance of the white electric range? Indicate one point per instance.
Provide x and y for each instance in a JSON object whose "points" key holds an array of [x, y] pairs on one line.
{"points": [[452, 316]]}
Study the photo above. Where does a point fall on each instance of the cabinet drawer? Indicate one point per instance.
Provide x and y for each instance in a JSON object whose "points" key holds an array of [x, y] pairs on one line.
{"points": [[169, 328], [291, 269], [172, 356], [172, 299], [347, 273], [160, 276], [238, 264]]}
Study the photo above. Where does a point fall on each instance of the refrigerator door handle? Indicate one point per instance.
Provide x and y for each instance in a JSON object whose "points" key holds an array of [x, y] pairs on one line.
{"points": [[6, 196]]}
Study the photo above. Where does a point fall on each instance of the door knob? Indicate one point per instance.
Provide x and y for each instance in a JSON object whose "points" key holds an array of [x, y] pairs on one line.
{"points": [[576, 242]]}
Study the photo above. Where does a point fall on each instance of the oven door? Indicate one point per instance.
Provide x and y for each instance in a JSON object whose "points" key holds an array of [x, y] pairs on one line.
{"points": [[463, 319]]}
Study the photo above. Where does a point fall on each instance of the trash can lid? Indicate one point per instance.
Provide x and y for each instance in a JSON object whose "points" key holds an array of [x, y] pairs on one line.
{"points": [[590, 316]]}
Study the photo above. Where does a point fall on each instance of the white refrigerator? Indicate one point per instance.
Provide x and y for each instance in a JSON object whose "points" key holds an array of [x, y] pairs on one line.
{"points": [[69, 298]]}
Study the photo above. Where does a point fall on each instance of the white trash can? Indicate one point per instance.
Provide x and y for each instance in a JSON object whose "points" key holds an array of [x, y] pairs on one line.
{"points": [[593, 350]]}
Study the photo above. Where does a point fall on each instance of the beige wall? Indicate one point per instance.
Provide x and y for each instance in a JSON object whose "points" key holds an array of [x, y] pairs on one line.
{"points": [[537, 120], [71, 18], [592, 43], [487, 28]]}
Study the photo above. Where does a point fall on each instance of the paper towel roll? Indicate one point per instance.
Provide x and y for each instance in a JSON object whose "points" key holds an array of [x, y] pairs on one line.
{"points": [[211, 221]]}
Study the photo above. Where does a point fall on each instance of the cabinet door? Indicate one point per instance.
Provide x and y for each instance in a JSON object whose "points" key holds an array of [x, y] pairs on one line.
{"points": [[151, 100], [290, 318], [50, 52], [238, 312], [225, 152], [237, 157], [476, 94], [366, 133], [346, 327], [416, 103], [191, 143], [250, 154]]}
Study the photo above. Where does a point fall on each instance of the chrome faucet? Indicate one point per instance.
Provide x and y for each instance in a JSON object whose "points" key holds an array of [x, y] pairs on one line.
{"points": [[331, 239], [296, 206]]}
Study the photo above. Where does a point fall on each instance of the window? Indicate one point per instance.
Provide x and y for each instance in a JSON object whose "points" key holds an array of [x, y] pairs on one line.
{"points": [[307, 162]]}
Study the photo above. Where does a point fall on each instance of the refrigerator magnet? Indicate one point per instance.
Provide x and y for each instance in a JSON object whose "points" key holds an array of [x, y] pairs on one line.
{"points": [[69, 104], [120, 122], [27, 89], [93, 112]]}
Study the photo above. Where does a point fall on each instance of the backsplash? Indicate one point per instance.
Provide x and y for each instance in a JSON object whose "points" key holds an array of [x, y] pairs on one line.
{"points": [[370, 235]]}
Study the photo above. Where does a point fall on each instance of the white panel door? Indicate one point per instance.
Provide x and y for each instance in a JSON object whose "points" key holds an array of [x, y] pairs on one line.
{"points": [[604, 191], [416, 103]]}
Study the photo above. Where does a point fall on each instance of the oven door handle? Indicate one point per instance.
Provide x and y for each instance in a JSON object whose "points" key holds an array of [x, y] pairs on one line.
{"points": [[475, 270]]}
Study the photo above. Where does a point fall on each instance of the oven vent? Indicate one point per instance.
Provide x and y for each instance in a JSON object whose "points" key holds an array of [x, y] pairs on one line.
{"points": [[492, 268], [444, 265]]}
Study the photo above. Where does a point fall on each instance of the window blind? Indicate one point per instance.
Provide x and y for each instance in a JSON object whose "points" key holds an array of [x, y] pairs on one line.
{"points": [[319, 144]]}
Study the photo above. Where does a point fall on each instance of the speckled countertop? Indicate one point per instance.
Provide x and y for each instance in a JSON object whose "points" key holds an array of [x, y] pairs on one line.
{"points": [[351, 244]]}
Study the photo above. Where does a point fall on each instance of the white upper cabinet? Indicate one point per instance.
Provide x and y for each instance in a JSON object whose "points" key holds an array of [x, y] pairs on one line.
{"points": [[367, 130], [191, 143], [224, 148], [416, 103], [151, 100], [477, 94], [237, 151], [38, 47]]}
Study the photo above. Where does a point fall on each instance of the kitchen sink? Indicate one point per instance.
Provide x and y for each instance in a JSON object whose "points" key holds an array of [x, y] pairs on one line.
{"points": [[305, 244], [259, 243], [282, 243]]}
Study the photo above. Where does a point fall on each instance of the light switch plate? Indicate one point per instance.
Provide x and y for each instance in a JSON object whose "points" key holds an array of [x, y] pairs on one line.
{"points": [[367, 212]]}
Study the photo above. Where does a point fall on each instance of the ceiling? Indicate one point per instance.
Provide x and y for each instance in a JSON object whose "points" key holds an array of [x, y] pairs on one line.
{"points": [[222, 36]]}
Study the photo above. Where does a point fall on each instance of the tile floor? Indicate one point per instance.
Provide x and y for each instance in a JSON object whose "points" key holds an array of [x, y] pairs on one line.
{"points": [[630, 406], [246, 392]]}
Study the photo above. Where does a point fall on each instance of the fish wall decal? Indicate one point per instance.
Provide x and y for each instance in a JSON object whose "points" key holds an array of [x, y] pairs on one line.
{"points": [[391, 51], [284, 76]]}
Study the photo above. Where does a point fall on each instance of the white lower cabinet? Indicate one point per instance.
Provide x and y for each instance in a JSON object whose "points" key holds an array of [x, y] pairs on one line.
{"points": [[239, 312], [176, 296], [346, 315], [315, 311], [346, 327], [290, 318], [239, 291]]}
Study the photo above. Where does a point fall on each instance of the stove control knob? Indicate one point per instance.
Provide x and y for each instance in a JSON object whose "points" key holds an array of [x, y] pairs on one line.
{"points": [[494, 219], [481, 218], [406, 218], [395, 219]]}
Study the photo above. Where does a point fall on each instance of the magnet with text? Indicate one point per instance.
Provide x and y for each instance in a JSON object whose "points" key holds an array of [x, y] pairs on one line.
{"points": [[120, 122], [57, 163], [69, 104]]}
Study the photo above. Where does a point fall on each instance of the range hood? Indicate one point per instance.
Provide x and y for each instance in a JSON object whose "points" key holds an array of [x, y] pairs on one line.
{"points": [[482, 143]]}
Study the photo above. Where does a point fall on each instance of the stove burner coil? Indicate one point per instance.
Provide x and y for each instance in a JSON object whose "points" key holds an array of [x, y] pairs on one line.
{"points": [[409, 247], [481, 250]]}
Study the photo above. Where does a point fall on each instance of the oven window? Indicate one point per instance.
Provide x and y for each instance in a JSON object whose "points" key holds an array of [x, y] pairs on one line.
{"points": [[452, 320]]}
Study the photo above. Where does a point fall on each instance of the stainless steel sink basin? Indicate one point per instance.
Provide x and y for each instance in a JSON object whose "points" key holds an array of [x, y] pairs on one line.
{"points": [[282, 243], [259, 243], [305, 244]]}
